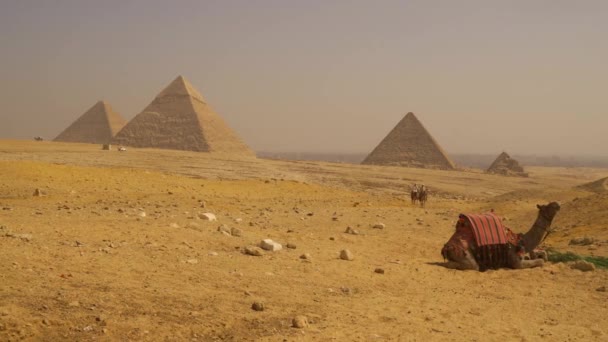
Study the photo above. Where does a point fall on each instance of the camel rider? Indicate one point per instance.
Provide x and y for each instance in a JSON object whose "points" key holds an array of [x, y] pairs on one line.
{"points": [[415, 188]]}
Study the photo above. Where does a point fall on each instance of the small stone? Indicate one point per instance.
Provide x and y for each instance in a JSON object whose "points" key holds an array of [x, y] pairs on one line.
{"points": [[224, 230], [258, 306], [192, 261], [142, 214], [332, 238], [345, 254], [305, 256], [174, 225], [379, 226], [207, 216], [46, 322], [291, 246], [255, 251], [582, 241], [583, 265], [193, 225], [38, 193], [601, 289], [74, 303], [270, 245], [212, 254], [350, 230], [334, 219], [238, 220], [300, 322], [236, 232], [379, 270]]}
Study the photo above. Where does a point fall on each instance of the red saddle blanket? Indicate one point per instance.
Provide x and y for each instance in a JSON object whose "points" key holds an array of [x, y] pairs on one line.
{"points": [[487, 229]]}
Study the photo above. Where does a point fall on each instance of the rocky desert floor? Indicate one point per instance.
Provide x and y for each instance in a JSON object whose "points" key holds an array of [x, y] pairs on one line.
{"points": [[117, 249]]}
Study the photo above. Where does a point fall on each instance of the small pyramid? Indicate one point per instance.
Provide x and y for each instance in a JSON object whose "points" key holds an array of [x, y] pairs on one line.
{"points": [[505, 165], [409, 144], [96, 126], [180, 119]]}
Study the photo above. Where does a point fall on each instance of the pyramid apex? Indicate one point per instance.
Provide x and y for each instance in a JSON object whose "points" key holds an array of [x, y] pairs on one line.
{"points": [[181, 87]]}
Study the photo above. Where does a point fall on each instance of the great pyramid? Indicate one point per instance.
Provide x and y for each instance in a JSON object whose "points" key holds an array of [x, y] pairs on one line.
{"points": [[505, 165], [96, 126], [409, 144], [180, 119]]}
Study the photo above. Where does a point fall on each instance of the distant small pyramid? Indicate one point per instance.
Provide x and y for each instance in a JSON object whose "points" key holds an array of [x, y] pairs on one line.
{"points": [[180, 119], [505, 165], [96, 126], [409, 144]]}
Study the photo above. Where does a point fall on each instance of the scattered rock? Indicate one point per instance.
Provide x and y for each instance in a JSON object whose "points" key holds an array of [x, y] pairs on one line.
{"points": [[582, 241], [193, 225], [300, 322], [236, 232], [583, 265], [207, 216], [258, 306], [601, 289], [46, 322], [305, 256], [255, 251], [379, 270], [38, 193], [142, 214], [192, 261], [212, 254], [379, 226], [350, 230], [224, 230], [174, 225], [270, 245], [74, 304], [345, 254], [291, 246]]}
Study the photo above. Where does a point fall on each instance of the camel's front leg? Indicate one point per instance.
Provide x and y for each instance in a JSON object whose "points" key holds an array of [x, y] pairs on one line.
{"points": [[517, 263]]}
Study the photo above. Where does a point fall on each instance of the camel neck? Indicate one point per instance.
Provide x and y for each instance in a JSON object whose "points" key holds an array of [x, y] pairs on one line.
{"points": [[535, 235]]}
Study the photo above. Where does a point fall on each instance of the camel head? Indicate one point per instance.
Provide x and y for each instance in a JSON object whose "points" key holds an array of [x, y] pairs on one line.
{"points": [[548, 211]]}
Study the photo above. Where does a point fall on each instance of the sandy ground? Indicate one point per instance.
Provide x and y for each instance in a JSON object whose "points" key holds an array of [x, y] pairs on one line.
{"points": [[84, 263]]}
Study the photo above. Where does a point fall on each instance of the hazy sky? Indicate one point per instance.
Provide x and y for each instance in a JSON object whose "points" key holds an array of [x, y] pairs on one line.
{"points": [[483, 76]]}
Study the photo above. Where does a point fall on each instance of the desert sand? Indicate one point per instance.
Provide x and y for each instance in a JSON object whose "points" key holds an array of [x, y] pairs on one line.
{"points": [[114, 249]]}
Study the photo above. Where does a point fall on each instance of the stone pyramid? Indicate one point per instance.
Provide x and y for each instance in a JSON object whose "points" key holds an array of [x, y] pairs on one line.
{"points": [[180, 119], [409, 144], [505, 165], [96, 126]]}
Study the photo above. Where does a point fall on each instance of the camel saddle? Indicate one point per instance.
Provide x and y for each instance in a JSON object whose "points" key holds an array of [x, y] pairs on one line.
{"points": [[487, 229]]}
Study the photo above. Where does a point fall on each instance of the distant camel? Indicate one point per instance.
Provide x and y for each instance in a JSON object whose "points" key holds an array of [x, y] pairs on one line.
{"points": [[474, 248], [414, 195], [38, 138], [422, 196]]}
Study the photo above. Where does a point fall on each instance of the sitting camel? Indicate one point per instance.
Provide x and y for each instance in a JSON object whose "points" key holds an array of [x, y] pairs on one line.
{"points": [[474, 246]]}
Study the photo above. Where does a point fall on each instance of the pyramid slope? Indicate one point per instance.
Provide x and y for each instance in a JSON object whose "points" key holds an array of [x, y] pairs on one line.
{"points": [[409, 144], [505, 165], [98, 125], [180, 119]]}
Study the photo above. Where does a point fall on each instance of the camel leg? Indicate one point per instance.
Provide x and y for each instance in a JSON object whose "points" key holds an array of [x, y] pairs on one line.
{"points": [[517, 263], [466, 263]]}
